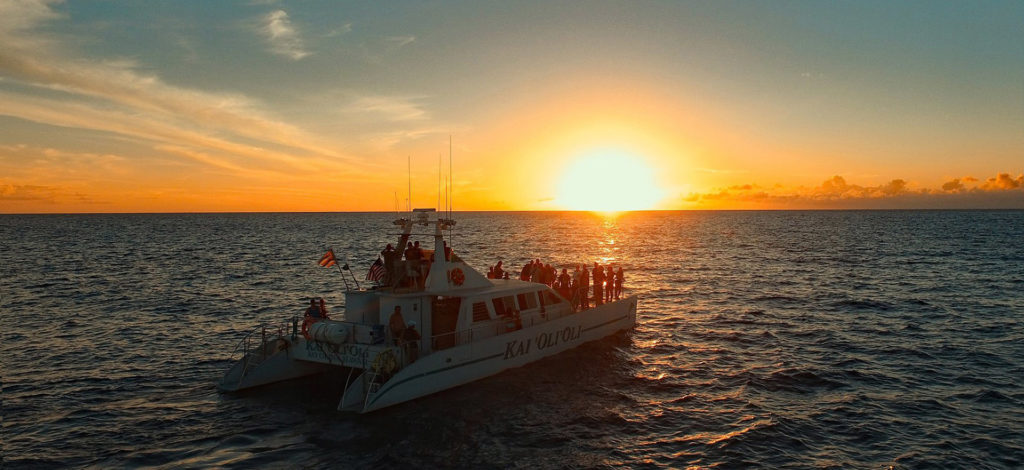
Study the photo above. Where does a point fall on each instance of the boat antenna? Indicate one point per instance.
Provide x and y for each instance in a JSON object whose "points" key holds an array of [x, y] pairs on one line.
{"points": [[451, 184], [439, 181], [408, 202]]}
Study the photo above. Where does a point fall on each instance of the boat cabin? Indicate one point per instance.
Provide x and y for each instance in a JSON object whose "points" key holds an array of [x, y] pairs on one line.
{"points": [[507, 305]]}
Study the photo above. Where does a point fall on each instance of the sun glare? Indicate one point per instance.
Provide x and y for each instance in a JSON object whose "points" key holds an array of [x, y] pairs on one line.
{"points": [[609, 181]]}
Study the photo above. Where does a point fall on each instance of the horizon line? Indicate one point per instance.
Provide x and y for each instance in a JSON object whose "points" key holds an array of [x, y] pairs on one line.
{"points": [[931, 209]]}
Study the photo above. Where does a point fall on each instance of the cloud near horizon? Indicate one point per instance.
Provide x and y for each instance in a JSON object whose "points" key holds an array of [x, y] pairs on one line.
{"points": [[1001, 191]]}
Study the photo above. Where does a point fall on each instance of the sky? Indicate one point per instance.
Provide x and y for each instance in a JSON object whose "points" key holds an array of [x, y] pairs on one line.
{"points": [[198, 106]]}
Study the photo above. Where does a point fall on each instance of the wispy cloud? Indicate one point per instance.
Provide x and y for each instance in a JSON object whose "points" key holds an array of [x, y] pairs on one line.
{"points": [[343, 29], [18, 18], [283, 38], [113, 95], [27, 192], [391, 108], [400, 41], [1003, 190]]}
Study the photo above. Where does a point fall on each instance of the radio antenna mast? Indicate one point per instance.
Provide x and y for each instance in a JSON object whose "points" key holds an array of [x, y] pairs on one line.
{"points": [[451, 184], [439, 182]]}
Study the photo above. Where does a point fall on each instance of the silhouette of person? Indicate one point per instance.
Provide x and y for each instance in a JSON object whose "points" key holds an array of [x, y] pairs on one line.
{"points": [[619, 278], [418, 265], [410, 341], [397, 325], [535, 271], [563, 279], [585, 287], [389, 254], [575, 287], [314, 309], [598, 284], [609, 284]]}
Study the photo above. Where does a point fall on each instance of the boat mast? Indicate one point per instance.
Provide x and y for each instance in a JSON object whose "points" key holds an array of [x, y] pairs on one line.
{"points": [[451, 184]]}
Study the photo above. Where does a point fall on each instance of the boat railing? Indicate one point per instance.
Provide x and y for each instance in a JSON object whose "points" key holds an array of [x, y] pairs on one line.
{"points": [[253, 352]]}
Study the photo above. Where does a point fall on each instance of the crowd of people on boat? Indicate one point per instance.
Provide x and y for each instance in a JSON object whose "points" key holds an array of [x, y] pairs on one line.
{"points": [[575, 286], [410, 267]]}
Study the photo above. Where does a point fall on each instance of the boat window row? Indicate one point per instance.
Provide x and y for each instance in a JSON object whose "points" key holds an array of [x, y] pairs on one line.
{"points": [[510, 313]]}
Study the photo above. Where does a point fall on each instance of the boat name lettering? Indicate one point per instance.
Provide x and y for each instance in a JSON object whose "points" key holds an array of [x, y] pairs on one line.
{"points": [[543, 340], [348, 352]]}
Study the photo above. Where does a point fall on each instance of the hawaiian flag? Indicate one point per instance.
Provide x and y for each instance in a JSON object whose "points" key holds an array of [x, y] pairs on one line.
{"points": [[377, 271], [328, 259]]}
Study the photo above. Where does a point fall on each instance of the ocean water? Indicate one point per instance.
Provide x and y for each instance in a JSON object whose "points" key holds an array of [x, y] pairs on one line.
{"points": [[848, 339]]}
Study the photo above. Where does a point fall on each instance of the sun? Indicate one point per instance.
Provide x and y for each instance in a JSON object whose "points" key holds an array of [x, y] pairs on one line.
{"points": [[609, 180]]}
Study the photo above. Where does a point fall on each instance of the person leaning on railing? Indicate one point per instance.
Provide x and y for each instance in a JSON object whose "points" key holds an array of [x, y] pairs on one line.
{"points": [[411, 342], [314, 309]]}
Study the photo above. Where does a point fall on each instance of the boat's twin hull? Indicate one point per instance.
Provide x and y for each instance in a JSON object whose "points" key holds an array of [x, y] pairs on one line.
{"points": [[276, 368], [437, 371]]}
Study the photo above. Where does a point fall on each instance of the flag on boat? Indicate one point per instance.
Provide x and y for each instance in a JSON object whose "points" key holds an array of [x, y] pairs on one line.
{"points": [[328, 259], [377, 271]]}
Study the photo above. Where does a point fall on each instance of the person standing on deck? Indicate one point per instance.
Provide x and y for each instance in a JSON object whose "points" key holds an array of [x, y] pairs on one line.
{"points": [[576, 304], [619, 278], [524, 275], [408, 272], [419, 264], [585, 287], [390, 275], [563, 279], [609, 287], [598, 284], [411, 343], [397, 325]]}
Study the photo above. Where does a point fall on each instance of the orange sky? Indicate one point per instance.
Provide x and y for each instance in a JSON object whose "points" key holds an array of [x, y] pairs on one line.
{"points": [[279, 107]]}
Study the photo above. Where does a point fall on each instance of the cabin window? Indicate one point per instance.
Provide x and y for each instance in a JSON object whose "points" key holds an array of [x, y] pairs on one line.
{"points": [[527, 301], [480, 312], [502, 305], [549, 298]]}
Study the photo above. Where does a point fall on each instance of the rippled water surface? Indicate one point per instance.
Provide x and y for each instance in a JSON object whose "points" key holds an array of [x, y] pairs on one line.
{"points": [[853, 339]]}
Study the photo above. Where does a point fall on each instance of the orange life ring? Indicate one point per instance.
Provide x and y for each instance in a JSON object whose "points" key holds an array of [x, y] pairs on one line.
{"points": [[457, 276]]}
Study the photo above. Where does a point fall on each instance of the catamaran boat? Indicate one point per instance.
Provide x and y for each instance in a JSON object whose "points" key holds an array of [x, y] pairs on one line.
{"points": [[414, 335]]}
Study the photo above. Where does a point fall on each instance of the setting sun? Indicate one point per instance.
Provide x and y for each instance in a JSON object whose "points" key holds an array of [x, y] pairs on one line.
{"points": [[609, 181]]}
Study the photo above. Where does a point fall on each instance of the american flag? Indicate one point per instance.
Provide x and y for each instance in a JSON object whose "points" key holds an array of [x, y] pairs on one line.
{"points": [[377, 271]]}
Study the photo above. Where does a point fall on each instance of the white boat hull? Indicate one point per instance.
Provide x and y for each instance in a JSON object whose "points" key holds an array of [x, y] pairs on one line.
{"points": [[278, 366], [466, 363]]}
